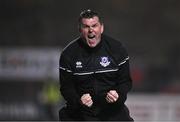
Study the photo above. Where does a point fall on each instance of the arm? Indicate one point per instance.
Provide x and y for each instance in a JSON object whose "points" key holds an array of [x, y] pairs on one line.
{"points": [[124, 83], [67, 86], [118, 93]]}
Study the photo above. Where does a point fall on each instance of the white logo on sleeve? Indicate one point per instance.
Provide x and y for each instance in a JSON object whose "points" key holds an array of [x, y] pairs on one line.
{"points": [[78, 64], [104, 61]]}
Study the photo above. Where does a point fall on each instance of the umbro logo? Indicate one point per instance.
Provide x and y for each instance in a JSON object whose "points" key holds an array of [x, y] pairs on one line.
{"points": [[78, 64]]}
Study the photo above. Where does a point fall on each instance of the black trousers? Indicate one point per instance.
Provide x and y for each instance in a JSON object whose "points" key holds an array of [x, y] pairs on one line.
{"points": [[66, 114]]}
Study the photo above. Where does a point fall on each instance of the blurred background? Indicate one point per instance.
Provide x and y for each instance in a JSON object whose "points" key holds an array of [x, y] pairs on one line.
{"points": [[34, 32]]}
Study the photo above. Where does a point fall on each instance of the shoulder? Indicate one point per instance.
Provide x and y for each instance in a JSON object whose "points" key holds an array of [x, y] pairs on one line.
{"points": [[70, 48], [115, 46], [69, 51], [111, 40]]}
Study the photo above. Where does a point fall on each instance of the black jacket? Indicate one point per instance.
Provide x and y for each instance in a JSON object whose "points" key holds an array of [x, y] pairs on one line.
{"points": [[96, 71]]}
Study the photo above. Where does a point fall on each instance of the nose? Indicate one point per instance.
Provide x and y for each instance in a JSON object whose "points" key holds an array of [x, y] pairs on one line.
{"points": [[90, 29]]}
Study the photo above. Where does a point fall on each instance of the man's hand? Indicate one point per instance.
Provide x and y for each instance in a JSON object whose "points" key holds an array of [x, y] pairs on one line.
{"points": [[86, 100], [112, 96]]}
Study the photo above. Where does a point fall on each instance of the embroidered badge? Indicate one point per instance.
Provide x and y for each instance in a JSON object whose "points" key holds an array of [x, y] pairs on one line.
{"points": [[104, 61], [78, 64]]}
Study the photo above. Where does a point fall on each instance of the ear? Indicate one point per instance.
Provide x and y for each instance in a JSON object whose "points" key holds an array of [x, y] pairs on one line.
{"points": [[79, 29], [102, 28]]}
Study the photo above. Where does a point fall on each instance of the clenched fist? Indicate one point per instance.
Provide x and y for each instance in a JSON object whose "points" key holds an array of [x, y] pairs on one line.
{"points": [[112, 96], [86, 100]]}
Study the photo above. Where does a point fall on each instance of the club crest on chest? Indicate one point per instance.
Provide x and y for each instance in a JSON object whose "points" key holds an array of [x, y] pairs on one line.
{"points": [[104, 61]]}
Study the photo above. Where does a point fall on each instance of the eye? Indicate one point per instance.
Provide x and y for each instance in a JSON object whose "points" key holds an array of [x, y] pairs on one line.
{"points": [[95, 25], [85, 26]]}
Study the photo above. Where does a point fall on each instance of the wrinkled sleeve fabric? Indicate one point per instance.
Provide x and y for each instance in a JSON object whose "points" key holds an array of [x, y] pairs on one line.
{"points": [[67, 86]]}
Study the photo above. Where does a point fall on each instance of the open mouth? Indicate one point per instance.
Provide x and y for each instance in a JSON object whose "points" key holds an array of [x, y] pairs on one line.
{"points": [[91, 36]]}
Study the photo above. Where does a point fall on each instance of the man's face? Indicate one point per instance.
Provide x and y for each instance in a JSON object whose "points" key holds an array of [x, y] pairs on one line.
{"points": [[91, 30]]}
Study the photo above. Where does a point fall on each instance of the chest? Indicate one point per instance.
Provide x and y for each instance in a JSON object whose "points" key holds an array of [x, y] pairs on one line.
{"points": [[95, 69], [99, 62]]}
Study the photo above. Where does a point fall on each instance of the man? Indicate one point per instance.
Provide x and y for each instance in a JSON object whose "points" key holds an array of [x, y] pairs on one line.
{"points": [[94, 74]]}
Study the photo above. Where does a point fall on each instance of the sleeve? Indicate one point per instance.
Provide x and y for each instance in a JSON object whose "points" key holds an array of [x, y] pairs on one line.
{"points": [[67, 86], [124, 81]]}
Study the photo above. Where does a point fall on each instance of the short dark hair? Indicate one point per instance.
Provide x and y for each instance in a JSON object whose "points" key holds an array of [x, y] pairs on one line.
{"points": [[88, 14]]}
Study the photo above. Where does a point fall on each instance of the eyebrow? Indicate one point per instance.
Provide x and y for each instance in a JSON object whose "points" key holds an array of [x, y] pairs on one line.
{"points": [[90, 26]]}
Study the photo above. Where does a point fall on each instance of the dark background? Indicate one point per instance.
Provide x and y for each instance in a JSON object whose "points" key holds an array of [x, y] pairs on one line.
{"points": [[150, 30]]}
